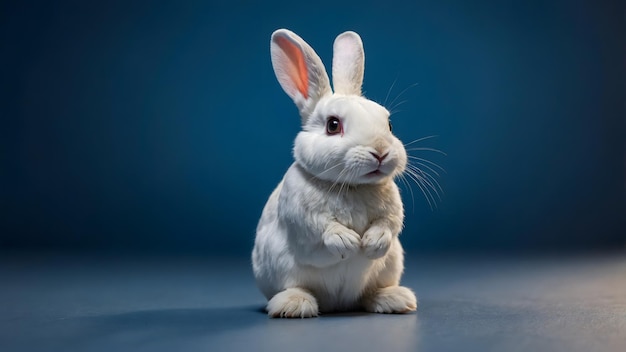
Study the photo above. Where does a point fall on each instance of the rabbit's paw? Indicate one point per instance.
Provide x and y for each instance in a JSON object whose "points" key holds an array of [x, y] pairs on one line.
{"points": [[376, 242], [393, 299], [292, 303], [342, 241]]}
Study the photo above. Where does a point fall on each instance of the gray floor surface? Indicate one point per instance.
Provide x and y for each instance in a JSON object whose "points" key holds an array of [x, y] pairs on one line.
{"points": [[150, 303]]}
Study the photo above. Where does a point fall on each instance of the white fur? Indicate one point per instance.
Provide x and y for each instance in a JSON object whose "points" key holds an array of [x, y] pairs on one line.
{"points": [[327, 239], [348, 64]]}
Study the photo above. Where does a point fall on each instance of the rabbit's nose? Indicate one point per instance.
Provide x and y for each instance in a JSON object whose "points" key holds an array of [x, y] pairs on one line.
{"points": [[379, 157]]}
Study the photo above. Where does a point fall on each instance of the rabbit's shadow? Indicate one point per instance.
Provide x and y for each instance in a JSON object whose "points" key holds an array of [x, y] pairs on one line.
{"points": [[185, 322], [175, 328], [325, 315], [168, 323]]}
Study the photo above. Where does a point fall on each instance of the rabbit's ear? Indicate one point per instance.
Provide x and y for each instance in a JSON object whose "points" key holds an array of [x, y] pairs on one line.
{"points": [[299, 71], [348, 63]]}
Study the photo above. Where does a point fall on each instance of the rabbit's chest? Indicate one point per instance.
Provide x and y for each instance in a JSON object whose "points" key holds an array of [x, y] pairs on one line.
{"points": [[357, 211]]}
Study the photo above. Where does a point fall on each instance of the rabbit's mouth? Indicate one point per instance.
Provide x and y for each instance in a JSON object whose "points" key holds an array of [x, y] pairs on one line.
{"points": [[375, 173]]}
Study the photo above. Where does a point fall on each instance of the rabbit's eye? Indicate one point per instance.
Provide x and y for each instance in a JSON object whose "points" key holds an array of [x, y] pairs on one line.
{"points": [[390, 126], [333, 126]]}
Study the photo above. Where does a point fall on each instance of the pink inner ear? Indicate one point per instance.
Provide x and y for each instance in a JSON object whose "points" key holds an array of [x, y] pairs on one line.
{"points": [[297, 70]]}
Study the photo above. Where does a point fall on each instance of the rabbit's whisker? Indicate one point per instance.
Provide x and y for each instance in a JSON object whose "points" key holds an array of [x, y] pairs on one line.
{"points": [[342, 175], [408, 185], [425, 192], [326, 170], [421, 139], [395, 110], [428, 161], [423, 176], [426, 166], [399, 95], [427, 149], [389, 91]]}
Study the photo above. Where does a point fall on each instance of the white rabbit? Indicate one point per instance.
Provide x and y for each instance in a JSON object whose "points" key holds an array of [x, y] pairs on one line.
{"points": [[328, 236]]}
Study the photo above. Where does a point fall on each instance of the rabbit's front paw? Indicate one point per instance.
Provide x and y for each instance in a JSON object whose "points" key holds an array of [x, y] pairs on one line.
{"points": [[376, 241], [341, 241]]}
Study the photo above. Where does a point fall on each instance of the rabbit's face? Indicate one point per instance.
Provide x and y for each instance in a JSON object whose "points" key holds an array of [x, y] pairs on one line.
{"points": [[348, 140]]}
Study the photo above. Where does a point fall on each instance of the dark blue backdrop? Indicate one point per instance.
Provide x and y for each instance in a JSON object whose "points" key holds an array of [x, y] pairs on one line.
{"points": [[160, 125]]}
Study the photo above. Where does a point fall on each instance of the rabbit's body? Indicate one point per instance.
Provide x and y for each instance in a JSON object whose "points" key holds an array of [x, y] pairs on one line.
{"points": [[327, 239], [290, 250]]}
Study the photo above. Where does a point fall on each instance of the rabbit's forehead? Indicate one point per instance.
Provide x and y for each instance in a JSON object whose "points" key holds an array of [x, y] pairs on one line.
{"points": [[354, 107]]}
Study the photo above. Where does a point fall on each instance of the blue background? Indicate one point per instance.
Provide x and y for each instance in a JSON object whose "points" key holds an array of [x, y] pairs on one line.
{"points": [[159, 125]]}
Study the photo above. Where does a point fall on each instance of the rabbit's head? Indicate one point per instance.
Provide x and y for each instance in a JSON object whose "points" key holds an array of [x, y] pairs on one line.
{"points": [[345, 137]]}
